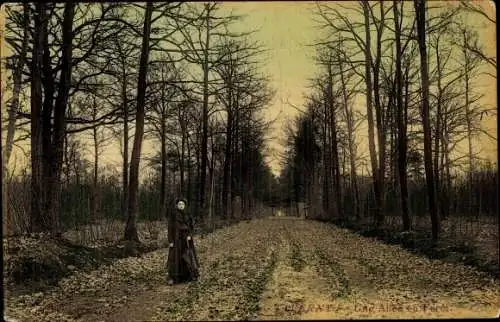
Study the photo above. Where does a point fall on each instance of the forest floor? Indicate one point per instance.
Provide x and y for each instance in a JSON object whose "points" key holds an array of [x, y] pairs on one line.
{"points": [[274, 268]]}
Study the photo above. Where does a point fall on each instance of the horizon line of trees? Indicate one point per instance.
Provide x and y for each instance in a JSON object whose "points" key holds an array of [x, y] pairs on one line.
{"points": [[87, 75], [417, 66]]}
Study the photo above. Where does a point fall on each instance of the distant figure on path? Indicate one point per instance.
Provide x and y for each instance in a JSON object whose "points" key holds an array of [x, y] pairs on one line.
{"points": [[182, 261]]}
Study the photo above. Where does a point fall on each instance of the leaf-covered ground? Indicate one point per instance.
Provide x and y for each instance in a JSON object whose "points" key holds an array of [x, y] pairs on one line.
{"points": [[276, 268]]}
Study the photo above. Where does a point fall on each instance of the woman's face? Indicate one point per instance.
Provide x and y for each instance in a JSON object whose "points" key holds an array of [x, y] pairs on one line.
{"points": [[181, 205]]}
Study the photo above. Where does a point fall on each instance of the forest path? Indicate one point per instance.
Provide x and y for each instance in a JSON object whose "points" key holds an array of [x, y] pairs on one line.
{"points": [[275, 268], [326, 272]]}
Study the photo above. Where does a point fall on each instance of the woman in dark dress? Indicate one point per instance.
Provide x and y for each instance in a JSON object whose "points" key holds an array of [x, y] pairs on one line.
{"points": [[182, 260]]}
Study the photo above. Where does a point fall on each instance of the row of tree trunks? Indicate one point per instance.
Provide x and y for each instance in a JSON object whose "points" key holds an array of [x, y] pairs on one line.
{"points": [[48, 136]]}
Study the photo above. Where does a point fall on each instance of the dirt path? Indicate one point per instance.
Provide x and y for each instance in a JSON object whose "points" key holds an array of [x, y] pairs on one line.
{"points": [[276, 268], [343, 275]]}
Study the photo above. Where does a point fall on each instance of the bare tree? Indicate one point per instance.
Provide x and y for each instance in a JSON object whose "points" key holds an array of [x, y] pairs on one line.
{"points": [[125, 71], [48, 139], [131, 227], [369, 110], [351, 127], [13, 108], [429, 173], [402, 127], [167, 101], [236, 68], [200, 42], [99, 139]]}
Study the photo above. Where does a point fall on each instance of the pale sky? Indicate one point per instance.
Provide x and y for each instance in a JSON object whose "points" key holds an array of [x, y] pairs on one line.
{"points": [[284, 29]]}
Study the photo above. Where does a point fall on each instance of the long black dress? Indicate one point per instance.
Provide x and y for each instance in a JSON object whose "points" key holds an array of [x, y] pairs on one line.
{"points": [[183, 263]]}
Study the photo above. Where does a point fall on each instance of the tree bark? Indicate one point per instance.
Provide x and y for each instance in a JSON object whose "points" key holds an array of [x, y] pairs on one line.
{"points": [[369, 108], [226, 184], [17, 79], [204, 139], [163, 155], [183, 158], [37, 222], [335, 153], [95, 200], [327, 171], [350, 140], [125, 144], [211, 170], [402, 138], [379, 194], [131, 226], [12, 114], [468, 116], [61, 103], [429, 173], [438, 142]]}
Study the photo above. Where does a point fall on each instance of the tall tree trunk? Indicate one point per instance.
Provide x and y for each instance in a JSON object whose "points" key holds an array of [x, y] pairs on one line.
{"points": [[61, 103], [163, 181], [445, 165], [350, 140], [226, 184], [204, 139], [468, 117], [334, 148], [12, 114], [48, 141], [236, 150], [183, 159], [250, 201], [211, 181], [429, 173], [131, 226], [47, 182], [379, 194], [444, 169], [402, 139], [198, 171], [37, 222], [125, 145], [189, 171], [369, 108], [438, 134], [47, 127], [327, 171], [96, 165], [17, 79]]}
